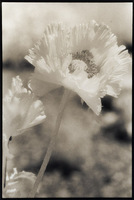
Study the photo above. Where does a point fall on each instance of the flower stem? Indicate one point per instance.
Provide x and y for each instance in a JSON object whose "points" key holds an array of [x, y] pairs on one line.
{"points": [[4, 162], [5, 172], [51, 144]]}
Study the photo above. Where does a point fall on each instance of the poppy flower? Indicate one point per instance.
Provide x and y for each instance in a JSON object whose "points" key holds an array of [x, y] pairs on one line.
{"points": [[85, 59], [18, 184], [21, 110]]}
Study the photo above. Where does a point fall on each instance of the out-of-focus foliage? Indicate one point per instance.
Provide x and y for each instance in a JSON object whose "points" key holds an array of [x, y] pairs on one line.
{"points": [[92, 157], [23, 23]]}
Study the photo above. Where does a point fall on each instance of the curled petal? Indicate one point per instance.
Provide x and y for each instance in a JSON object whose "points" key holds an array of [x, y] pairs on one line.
{"points": [[93, 102], [35, 115]]}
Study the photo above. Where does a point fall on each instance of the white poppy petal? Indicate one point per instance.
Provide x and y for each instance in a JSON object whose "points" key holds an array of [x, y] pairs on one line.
{"points": [[93, 102], [19, 184], [40, 88], [85, 59], [21, 110]]}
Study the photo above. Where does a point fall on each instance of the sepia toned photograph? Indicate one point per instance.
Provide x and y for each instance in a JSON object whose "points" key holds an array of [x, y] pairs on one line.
{"points": [[66, 100]]}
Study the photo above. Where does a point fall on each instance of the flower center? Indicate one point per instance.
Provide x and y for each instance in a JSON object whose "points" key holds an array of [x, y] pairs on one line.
{"points": [[84, 60]]}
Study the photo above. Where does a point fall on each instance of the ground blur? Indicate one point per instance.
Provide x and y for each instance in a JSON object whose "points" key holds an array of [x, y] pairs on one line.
{"points": [[92, 157]]}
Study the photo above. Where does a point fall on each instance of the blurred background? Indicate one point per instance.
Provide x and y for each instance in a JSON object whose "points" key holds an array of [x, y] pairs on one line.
{"points": [[92, 157]]}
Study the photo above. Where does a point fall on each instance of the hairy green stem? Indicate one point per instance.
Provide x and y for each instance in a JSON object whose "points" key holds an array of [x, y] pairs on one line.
{"points": [[51, 144]]}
